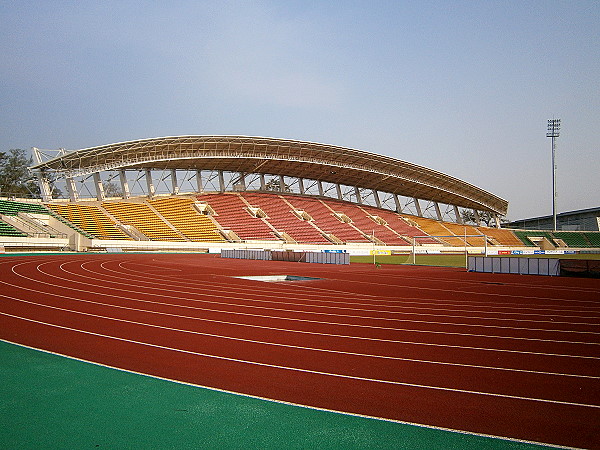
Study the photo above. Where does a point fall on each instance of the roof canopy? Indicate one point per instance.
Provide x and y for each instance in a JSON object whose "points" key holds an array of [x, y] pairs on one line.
{"points": [[277, 157]]}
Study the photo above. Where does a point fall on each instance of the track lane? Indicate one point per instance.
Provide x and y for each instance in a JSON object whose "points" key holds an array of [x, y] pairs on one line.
{"points": [[405, 371]]}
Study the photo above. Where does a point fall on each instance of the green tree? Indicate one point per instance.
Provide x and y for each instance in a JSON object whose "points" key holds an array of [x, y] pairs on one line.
{"points": [[485, 217], [275, 185], [15, 178], [112, 190]]}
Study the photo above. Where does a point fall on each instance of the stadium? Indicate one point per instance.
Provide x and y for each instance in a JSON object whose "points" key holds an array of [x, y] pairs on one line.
{"points": [[308, 275]]}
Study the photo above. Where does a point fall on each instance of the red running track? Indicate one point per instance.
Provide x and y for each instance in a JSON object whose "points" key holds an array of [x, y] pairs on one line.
{"points": [[504, 355]]}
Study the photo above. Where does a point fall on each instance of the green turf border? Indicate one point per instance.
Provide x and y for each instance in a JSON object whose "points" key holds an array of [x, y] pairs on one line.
{"points": [[50, 401]]}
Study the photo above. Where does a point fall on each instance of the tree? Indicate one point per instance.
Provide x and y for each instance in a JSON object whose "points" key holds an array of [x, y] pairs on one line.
{"points": [[275, 185], [486, 217], [112, 190], [15, 178]]}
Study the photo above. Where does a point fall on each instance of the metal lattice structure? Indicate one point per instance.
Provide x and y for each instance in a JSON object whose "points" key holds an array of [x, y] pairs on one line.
{"points": [[261, 156]]}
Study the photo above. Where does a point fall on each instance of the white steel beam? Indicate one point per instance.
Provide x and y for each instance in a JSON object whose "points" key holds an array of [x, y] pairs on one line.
{"points": [[199, 184], [149, 183], [174, 184], [99, 187], [72, 189], [124, 183]]}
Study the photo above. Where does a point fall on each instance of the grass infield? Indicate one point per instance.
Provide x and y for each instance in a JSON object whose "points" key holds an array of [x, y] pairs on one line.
{"points": [[49, 401], [451, 259]]}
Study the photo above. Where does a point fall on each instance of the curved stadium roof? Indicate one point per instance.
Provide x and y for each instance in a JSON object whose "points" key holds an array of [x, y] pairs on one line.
{"points": [[291, 158]]}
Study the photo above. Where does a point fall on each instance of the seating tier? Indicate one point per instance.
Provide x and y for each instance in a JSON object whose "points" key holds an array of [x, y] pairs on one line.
{"points": [[141, 216], [325, 219], [180, 213], [90, 219], [9, 230], [280, 215], [502, 236], [231, 214], [435, 228]]}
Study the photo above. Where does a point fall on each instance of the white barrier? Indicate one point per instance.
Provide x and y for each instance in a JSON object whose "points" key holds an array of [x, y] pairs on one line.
{"points": [[521, 266], [268, 255]]}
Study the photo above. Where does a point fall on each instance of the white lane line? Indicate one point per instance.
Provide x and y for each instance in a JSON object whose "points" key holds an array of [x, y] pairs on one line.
{"points": [[490, 294], [403, 303], [316, 408], [325, 350], [311, 321], [298, 369], [211, 295]]}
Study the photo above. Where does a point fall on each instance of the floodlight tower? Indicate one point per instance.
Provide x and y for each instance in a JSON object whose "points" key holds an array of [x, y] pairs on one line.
{"points": [[553, 133]]}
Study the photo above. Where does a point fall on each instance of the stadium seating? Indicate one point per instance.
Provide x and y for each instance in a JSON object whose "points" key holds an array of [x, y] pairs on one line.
{"points": [[364, 218], [325, 219], [143, 218], [232, 214], [435, 228], [90, 219], [180, 213], [501, 236], [461, 230], [525, 235], [8, 230], [13, 208], [272, 217], [400, 224], [593, 239], [572, 238], [280, 215]]}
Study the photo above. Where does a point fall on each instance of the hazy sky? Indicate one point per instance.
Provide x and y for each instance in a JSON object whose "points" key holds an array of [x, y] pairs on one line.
{"points": [[465, 88]]}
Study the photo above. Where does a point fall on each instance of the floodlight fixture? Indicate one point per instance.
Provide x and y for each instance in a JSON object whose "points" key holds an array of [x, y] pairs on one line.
{"points": [[553, 132]]}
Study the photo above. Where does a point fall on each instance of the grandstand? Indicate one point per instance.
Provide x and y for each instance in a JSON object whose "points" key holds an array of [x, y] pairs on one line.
{"points": [[213, 192]]}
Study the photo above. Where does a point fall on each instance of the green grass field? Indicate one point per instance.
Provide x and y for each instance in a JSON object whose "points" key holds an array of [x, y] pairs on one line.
{"points": [[49, 401], [449, 260]]}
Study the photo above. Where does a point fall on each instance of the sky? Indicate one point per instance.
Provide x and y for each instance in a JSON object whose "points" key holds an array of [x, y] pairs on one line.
{"points": [[465, 88]]}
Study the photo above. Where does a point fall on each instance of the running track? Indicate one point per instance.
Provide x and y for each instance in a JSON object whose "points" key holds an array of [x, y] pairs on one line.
{"points": [[503, 355]]}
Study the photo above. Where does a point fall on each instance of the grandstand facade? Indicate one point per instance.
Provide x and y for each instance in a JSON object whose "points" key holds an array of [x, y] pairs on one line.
{"points": [[214, 192]]}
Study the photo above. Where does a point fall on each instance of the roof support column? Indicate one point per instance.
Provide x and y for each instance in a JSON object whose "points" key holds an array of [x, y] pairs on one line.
{"points": [[457, 215], [174, 184], [149, 183], [320, 184], [497, 220], [418, 207], [242, 181], [357, 193], [72, 189], [377, 199], [281, 184], [221, 181], [338, 189], [199, 184], [124, 183], [301, 184], [263, 184], [99, 187], [438, 213], [398, 204], [477, 218], [45, 188]]}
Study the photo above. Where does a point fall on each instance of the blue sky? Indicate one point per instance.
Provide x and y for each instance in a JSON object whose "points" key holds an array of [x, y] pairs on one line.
{"points": [[465, 88]]}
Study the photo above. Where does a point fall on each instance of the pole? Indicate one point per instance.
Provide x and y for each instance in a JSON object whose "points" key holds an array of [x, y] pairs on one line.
{"points": [[374, 262], [553, 184], [466, 253], [553, 133]]}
